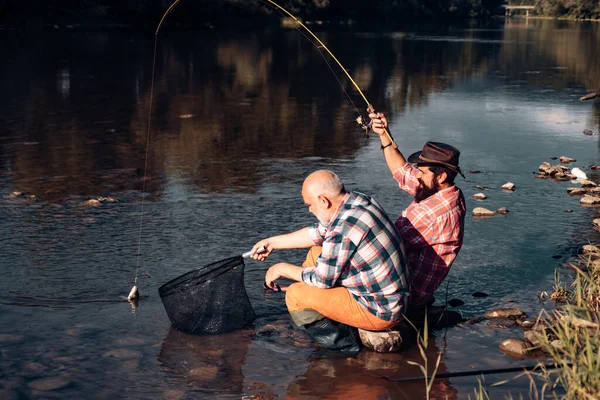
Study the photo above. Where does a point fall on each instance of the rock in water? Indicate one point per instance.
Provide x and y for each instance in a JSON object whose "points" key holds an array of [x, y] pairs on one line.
{"points": [[515, 346], [502, 323], [508, 186], [133, 294], [91, 203], [479, 196], [588, 132], [576, 191], [589, 200], [505, 313], [456, 303], [566, 160], [49, 383], [483, 212], [381, 342]]}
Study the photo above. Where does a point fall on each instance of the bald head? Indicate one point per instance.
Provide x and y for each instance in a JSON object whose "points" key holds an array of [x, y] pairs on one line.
{"points": [[323, 192], [323, 182]]}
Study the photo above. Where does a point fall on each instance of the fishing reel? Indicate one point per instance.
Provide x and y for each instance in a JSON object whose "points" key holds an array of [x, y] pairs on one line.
{"points": [[363, 124]]}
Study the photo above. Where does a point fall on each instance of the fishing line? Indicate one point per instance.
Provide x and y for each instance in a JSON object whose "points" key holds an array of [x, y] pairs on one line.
{"points": [[361, 121], [282, 10], [137, 260], [469, 373], [324, 58]]}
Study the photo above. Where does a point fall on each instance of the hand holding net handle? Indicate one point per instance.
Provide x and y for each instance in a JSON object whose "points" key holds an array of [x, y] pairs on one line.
{"points": [[259, 251]]}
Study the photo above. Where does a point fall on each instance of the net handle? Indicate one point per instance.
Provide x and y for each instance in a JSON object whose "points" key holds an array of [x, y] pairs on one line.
{"points": [[259, 251]]}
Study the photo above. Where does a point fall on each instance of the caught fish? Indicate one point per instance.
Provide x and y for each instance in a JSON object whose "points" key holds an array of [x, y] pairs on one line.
{"points": [[134, 294]]}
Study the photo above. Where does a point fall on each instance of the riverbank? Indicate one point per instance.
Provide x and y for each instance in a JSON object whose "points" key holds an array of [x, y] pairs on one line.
{"points": [[546, 17]]}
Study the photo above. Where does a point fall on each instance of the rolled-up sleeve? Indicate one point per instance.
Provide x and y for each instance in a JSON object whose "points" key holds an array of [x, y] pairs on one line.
{"points": [[407, 177], [317, 233], [332, 263]]}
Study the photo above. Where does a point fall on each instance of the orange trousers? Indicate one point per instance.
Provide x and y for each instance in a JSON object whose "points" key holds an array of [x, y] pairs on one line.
{"points": [[337, 303]]}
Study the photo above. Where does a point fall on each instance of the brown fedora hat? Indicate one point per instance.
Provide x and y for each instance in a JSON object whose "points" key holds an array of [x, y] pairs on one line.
{"points": [[436, 153]]}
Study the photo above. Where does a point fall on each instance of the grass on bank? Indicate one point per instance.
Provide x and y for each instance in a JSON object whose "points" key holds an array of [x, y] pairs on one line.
{"points": [[572, 336]]}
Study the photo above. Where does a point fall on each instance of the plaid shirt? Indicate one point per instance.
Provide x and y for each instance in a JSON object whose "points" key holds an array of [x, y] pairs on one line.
{"points": [[362, 252], [432, 232]]}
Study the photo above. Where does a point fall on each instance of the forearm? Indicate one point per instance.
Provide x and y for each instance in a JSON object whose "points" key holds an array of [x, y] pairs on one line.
{"points": [[393, 157], [295, 240], [290, 271]]}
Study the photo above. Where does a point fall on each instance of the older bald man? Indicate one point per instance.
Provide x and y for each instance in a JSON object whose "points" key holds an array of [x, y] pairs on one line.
{"points": [[358, 280]]}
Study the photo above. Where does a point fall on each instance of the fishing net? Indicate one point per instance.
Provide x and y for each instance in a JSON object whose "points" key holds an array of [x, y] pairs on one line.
{"points": [[208, 300]]}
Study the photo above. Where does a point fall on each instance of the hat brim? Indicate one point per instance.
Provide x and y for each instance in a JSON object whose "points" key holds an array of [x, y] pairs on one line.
{"points": [[414, 158]]}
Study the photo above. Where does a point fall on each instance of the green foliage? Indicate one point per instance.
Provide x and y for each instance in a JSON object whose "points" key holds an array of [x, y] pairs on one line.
{"points": [[569, 8]]}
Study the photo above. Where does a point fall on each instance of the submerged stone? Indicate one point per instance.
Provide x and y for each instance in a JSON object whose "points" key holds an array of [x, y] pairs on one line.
{"points": [[475, 320], [123, 353], [480, 294], [533, 337], [515, 346], [6, 338], [502, 211], [50, 383], [526, 324], [505, 313], [502, 323]]}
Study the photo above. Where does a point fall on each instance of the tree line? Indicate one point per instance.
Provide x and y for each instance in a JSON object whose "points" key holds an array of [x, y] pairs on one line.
{"points": [[236, 13], [198, 12], [579, 9]]}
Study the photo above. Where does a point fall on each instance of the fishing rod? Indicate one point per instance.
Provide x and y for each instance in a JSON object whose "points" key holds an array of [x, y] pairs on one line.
{"points": [[360, 119], [469, 373], [134, 293]]}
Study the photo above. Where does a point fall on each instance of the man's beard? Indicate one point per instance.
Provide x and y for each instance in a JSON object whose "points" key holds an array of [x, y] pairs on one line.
{"points": [[424, 192]]}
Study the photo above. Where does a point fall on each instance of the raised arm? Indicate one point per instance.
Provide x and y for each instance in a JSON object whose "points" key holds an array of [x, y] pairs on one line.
{"points": [[393, 157]]}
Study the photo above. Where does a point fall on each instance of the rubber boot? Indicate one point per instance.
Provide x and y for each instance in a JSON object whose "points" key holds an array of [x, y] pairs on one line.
{"points": [[334, 335]]}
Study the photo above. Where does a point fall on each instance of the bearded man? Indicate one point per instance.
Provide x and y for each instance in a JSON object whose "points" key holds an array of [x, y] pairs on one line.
{"points": [[432, 226]]}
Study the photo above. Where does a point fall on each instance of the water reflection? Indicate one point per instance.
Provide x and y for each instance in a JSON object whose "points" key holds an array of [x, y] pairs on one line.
{"points": [[238, 121], [370, 375], [212, 362], [223, 104]]}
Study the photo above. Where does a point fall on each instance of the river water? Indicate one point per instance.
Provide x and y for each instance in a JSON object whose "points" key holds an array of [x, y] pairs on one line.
{"points": [[238, 120]]}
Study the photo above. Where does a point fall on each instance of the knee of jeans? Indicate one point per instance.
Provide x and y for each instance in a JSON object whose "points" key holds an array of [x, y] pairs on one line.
{"points": [[292, 294]]}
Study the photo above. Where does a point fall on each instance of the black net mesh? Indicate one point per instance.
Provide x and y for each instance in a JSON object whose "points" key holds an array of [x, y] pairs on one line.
{"points": [[211, 299]]}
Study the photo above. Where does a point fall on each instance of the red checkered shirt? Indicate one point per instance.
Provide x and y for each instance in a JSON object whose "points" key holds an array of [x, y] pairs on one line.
{"points": [[432, 233], [362, 252]]}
